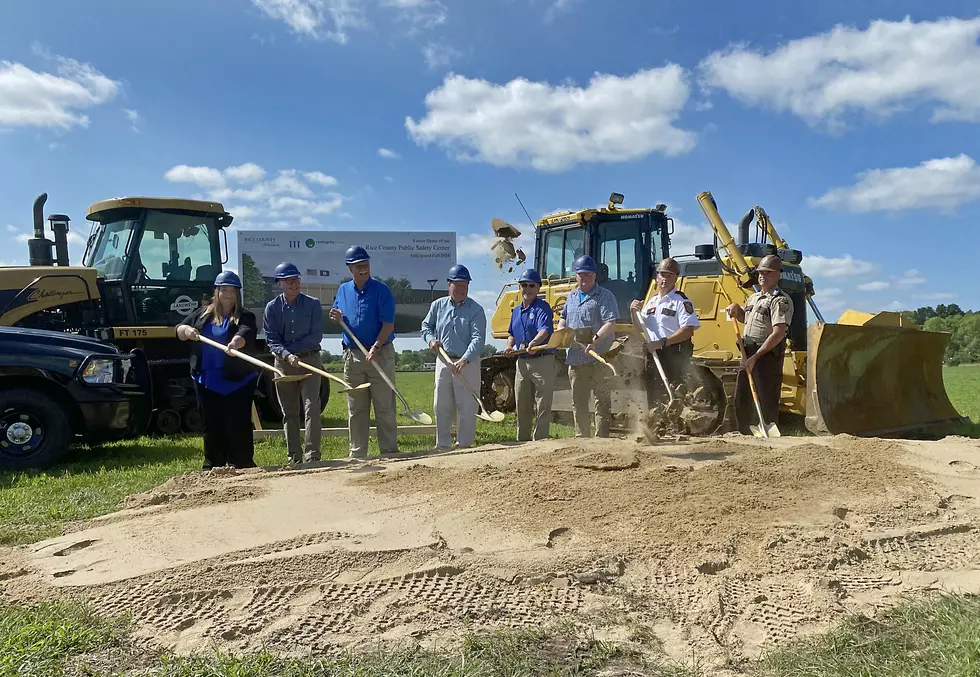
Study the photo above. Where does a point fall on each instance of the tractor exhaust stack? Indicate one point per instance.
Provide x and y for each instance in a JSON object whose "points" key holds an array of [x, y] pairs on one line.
{"points": [[39, 247]]}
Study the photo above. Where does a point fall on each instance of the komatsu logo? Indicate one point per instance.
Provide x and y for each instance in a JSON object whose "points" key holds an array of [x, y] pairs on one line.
{"points": [[792, 276]]}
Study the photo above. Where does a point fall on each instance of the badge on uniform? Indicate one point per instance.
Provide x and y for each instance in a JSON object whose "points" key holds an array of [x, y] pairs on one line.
{"points": [[689, 307]]}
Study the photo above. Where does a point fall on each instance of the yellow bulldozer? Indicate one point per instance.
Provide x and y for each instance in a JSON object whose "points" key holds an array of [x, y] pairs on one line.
{"points": [[148, 263], [869, 375]]}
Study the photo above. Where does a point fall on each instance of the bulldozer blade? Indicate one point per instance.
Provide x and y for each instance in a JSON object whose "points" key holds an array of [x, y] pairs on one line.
{"points": [[875, 380]]}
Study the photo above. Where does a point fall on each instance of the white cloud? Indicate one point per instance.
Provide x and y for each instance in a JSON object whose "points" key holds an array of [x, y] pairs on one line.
{"points": [[473, 244], [134, 119], [910, 278], [554, 127], [844, 266], [389, 179], [936, 296], [336, 19], [557, 8], [388, 154], [30, 98], [12, 229], [246, 173], [308, 222], [205, 177], [440, 55], [320, 178], [686, 237], [890, 66], [942, 183], [290, 194]]}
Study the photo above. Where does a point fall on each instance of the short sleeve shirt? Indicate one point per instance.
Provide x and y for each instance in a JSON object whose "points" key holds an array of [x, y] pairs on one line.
{"points": [[526, 323], [763, 310], [590, 311], [664, 315]]}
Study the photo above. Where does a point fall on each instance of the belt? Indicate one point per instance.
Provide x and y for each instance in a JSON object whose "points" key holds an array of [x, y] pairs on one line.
{"points": [[307, 353], [533, 356]]}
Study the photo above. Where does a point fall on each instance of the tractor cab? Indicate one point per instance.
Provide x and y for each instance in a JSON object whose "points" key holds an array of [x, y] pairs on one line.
{"points": [[156, 258], [625, 243]]}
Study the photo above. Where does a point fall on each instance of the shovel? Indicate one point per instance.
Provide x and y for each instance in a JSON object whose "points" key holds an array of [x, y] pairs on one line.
{"points": [[494, 417], [280, 377], [558, 339], [598, 357], [347, 386], [763, 429], [656, 360], [414, 414]]}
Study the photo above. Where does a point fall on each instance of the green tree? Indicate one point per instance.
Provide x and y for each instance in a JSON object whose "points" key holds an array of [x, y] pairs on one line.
{"points": [[488, 350], [254, 287]]}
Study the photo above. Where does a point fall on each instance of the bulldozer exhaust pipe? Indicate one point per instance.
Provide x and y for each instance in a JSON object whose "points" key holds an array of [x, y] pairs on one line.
{"points": [[39, 247], [59, 226], [743, 227]]}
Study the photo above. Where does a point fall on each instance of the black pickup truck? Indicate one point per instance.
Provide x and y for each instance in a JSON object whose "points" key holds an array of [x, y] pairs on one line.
{"points": [[56, 389]]}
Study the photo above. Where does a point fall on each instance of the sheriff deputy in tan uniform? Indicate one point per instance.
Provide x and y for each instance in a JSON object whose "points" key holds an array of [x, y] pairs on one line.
{"points": [[767, 316], [668, 320]]}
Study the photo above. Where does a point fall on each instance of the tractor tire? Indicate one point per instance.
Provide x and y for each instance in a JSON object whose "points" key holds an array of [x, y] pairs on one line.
{"points": [[34, 430], [497, 386]]}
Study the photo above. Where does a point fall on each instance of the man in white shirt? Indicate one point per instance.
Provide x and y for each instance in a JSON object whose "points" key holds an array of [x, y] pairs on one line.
{"points": [[668, 320]]}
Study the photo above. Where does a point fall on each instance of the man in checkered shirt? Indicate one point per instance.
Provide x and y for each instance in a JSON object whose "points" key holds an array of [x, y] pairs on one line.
{"points": [[591, 311]]}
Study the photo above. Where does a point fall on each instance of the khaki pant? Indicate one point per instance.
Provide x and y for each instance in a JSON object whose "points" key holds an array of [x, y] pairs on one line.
{"points": [[358, 370], [534, 384], [452, 396], [586, 379], [301, 398]]}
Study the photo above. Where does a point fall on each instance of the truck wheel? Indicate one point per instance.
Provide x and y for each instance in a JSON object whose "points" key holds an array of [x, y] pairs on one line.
{"points": [[34, 430]]}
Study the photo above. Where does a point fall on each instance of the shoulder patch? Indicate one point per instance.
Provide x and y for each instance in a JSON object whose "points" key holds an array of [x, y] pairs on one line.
{"points": [[689, 307]]}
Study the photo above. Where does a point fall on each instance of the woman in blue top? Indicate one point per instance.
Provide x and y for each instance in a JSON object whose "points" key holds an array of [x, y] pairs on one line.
{"points": [[225, 385]]}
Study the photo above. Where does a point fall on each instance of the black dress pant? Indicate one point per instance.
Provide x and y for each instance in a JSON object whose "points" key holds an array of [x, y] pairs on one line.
{"points": [[768, 376], [676, 360], [227, 426]]}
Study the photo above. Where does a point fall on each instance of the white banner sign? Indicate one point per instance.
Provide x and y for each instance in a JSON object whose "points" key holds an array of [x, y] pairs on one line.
{"points": [[414, 265]]}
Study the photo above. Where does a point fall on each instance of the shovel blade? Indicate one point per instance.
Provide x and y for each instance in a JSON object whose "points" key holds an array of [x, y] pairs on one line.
{"points": [[421, 417], [770, 430], [290, 377]]}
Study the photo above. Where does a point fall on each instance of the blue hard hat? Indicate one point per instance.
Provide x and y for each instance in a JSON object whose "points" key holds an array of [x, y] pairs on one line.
{"points": [[585, 264], [356, 254], [459, 272], [530, 275], [285, 270], [228, 278]]}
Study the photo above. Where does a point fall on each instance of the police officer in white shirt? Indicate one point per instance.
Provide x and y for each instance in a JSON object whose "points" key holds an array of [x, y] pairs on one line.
{"points": [[669, 321]]}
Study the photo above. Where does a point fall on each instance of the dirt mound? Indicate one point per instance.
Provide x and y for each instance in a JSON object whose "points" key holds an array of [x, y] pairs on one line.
{"points": [[678, 502], [716, 548], [196, 489]]}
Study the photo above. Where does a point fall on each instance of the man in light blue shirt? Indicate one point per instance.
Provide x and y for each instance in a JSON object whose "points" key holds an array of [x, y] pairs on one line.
{"points": [[591, 311], [293, 324], [458, 324]]}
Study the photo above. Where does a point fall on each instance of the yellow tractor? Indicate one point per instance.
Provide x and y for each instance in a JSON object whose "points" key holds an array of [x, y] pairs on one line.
{"points": [[871, 375], [148, 263]]}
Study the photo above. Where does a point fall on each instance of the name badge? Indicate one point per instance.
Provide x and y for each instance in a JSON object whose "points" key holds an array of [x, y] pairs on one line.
{"points": [[669, 312]]}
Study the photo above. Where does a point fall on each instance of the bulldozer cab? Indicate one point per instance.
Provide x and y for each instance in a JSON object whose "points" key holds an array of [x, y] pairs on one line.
{"points": [[156, 259], [625, 243]]}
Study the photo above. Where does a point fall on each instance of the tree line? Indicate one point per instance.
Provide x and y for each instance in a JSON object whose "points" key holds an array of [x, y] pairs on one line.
{"points": [[964, 344]]}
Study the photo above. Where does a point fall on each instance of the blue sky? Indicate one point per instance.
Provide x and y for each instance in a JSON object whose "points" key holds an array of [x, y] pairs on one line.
{"points": [[854, 124]]}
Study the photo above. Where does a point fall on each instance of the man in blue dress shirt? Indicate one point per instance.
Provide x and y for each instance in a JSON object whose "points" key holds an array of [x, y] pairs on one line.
{"points": [[458, 324], [367, 306], [531, 324], [592, 312], [293, 324]]}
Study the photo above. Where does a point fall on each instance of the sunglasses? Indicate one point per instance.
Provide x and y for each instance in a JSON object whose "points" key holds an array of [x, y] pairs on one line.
{"points": [[526, 285]]}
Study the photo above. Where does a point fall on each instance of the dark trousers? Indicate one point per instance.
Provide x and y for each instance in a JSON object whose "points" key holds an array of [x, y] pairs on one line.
{"points": [[768, 380], [227, 426], [676, 360]]}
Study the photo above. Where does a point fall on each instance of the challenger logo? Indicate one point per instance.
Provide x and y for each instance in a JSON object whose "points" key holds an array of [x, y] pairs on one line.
{"points": [[36, 295]]}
